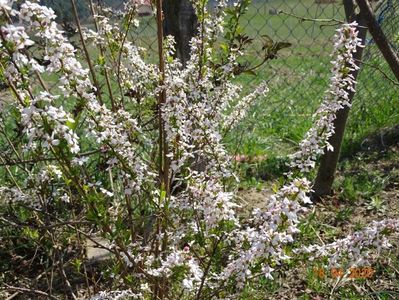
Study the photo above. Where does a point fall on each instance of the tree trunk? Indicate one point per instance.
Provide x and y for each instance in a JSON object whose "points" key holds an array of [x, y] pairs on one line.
{"points": [[180, 21], [329, 160]]}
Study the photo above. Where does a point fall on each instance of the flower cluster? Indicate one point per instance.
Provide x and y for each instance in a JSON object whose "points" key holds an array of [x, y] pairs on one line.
{"points": [[356, 248], [181, 258], [342, 83], [117, 295], [41, 114], [272, 228], [16, 36]]}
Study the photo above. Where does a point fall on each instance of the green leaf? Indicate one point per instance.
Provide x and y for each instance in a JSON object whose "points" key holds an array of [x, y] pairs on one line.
{"points": [[281, 45], [251, 72], [267, 41], [77, 263], [224, 47], [71, 124], [163, 195], [31, 233]]}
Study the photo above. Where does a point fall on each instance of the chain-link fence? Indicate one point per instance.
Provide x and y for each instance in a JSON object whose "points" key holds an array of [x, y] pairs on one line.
{"points": [[377, 101], [300, 75]]}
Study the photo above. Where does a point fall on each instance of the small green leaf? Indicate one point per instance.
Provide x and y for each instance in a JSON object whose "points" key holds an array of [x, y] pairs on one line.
{"points": [[77, 264], [71, 124], [163, 195], [251, 72], [224, 47], [281, 45], [31, 233]]}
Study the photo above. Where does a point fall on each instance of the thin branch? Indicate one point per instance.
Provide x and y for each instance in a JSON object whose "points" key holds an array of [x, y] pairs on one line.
{"points": [[27, 290], [11, 175], [208, 267], [93, 74], [102, 52], [3, 131], [303, 19], [379, 70], [45, 226], [121, 52], [163, 147], [42, 159]]}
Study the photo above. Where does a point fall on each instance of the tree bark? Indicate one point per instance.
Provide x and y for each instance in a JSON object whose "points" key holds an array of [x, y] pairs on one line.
{"points": [[180, 21], [379, 37], [329, 160]]}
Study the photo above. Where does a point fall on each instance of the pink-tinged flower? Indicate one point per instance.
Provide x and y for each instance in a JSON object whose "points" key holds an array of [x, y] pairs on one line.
{"points": [[17, 36], [346, 42]]}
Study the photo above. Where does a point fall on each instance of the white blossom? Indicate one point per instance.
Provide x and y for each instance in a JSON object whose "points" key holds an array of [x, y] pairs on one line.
{"points": [[342, 83]]}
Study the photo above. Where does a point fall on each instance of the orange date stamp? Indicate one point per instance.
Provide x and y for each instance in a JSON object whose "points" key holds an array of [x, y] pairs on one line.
{"points": [[354, 273]]}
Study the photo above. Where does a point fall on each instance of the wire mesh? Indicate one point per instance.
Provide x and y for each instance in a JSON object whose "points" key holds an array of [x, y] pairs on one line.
{"points": [[300, 75], [377, 100]]}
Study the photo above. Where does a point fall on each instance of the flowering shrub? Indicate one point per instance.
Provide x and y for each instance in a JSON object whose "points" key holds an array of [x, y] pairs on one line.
{"points": [[140, 160]]}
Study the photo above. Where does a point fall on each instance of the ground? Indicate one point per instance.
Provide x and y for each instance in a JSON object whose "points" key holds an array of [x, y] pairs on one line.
{"points": [[367, 189]]}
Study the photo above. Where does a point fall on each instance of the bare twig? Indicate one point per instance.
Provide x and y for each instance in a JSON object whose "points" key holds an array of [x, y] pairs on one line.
{"points": [[28, 290], [102, 52], [337, 282], [92, 72], [379, 70], [11, 175], [206, 271], [60, 224], [159, 288], [317, 234], [41, 159], [125, 35], [303, 19]]}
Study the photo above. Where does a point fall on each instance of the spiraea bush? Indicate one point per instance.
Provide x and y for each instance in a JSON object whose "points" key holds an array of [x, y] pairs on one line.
{"points": [[97, 142]]}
